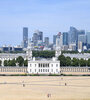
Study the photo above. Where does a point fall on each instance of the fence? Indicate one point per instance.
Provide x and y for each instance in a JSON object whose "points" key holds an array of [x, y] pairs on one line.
{"points": [[62, 69], [13, 69], [75, 69]]}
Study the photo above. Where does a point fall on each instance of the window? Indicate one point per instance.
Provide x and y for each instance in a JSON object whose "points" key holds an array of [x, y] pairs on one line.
{"points": [[35, 70], [56, 65], [48, 70], [56, 70], [52, 65], [35, 65], [51, 70], [39, 70], [48, 65], [30, 70], [39, 65], [43, 65], [30, 65]]}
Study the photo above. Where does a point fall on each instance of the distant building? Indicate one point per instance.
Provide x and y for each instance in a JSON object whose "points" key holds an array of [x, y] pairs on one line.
{"points": [[54, 39], [59, 40], [88, 37], [80, 46], [25, 37], [81, 32], [38, 38], [17, 48], [65, 38], [46, 41], [82, 38], [65, 47], [35, 39], [72, 47], [73, 35], [7, 48]]}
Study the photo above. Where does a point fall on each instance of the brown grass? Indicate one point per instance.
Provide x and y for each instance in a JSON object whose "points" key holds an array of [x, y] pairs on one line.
{"points": [[37, 88]]}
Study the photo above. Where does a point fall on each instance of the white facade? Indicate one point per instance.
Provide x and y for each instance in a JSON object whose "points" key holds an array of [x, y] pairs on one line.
{"points": [[44, 66]]}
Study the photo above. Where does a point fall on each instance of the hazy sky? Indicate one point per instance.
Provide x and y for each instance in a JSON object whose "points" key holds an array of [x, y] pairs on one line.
{"points": [[49, 16]]}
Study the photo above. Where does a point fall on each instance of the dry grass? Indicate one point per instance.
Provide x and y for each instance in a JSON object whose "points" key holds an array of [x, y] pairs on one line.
{"points": [[37, 88]]}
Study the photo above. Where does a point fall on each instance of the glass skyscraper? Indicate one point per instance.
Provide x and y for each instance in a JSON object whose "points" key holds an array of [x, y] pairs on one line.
{"points": [[25, 37], [65, 38]]}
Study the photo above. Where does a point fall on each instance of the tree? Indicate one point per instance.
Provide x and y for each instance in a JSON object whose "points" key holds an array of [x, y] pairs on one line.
{"points": [[75, 62], [88, 62], [44, 54], [5, 63], [25, 62], [68, 61], [20, 61], [0, 62], [13, 62], [83, 62], [62, 60]]}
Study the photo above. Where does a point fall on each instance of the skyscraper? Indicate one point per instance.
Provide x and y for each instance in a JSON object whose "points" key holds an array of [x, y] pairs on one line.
{"points": [[38, 38], [73, 35], [35, 39], [46, 41], [65, 38], [88, 37], [25, 37], [54, 39]]}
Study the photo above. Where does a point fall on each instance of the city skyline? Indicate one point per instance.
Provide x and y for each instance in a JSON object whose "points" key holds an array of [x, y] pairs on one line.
{"points": [[48, 16]]}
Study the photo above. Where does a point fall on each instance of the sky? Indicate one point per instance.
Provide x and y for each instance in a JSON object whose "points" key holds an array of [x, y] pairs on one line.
{"points": [[49, 16]]}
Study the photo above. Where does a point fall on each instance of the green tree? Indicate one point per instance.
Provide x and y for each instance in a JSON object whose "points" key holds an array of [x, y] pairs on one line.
{"points": [[62, 60], [25, 62], [82, 62], [5, 63], [88, 62], [68, 61], [44, 54], [0, 62], [12, 62], [75, 62], [20, 61]]}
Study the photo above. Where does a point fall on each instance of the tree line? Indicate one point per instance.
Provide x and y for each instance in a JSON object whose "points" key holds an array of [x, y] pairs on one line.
{"points": [[18, 62], [43, 54], [67, 61]]}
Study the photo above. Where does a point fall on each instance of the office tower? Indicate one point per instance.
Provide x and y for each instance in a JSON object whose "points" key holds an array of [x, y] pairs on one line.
{"points": [[46, 41], [54, 39], [82, 38], [65, 38], [88, 37], [35, 39], [25, 37], [38, 38], [73, 35]]}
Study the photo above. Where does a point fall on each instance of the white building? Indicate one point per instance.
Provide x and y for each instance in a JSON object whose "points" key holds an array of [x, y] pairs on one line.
{"points": [[43, 66]]}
